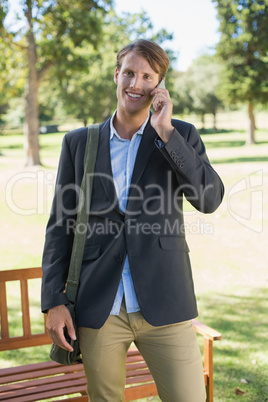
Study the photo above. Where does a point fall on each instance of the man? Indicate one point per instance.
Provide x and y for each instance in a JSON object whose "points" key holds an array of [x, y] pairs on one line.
{"points": [[136, 282]]}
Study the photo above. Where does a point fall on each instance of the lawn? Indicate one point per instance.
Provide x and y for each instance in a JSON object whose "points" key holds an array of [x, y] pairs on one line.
{"points": [[228, 251]]}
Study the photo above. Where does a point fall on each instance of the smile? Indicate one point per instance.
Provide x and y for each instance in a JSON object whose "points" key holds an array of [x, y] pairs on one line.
{"points": [[133, 96]]}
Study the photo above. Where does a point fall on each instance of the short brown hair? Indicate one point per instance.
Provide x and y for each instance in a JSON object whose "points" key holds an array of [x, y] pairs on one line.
{"points": [[153, 53]]}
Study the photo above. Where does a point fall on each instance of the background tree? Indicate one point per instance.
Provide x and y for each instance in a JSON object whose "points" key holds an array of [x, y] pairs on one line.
{"points": [[47, 32], [204, 74], [180, 93], [195, 91], [244, 49]]}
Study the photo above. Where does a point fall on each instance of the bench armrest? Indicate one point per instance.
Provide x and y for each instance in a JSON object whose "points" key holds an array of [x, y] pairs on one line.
{"points": [[206, 331]]}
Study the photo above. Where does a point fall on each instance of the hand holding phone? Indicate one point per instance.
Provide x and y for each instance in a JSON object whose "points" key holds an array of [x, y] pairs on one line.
{"points": [[161, 119], [161, 85]]}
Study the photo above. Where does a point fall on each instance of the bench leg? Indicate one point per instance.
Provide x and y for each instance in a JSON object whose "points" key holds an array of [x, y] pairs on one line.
{"points": [[208, 366]]}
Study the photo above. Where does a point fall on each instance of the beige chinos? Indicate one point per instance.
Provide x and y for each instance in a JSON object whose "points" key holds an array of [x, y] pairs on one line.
{"points": [[171, 353]]}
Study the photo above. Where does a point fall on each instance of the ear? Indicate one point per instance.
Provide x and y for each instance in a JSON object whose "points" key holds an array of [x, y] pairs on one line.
{"points": [[116, 73]]}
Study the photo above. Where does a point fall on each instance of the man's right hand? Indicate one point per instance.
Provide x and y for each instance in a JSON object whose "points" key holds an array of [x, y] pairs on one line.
{"points": [[58, 318]]}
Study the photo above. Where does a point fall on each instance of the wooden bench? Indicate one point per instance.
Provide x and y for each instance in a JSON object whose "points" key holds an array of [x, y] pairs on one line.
{"points": [[39, 381]]}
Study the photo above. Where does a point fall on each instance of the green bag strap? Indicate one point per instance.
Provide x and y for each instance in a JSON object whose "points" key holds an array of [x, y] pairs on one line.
{"points": [[83, 213]]}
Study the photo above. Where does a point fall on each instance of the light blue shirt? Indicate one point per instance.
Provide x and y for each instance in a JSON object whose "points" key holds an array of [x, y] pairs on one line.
{"points": [[123, 156]]}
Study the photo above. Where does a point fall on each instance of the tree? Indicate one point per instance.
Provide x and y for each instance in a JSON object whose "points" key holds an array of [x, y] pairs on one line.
{"points": [[48, 32], [195, 91], [244, 49]]}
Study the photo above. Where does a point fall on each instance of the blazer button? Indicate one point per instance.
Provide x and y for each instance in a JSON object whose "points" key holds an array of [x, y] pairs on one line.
{"points": [[119, 259]]}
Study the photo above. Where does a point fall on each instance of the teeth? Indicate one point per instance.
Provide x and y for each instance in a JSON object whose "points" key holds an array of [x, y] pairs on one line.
{"points": [[134, 95]]}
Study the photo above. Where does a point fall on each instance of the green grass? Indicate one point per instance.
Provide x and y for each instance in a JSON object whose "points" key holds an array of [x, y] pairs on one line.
{"points": [[242, 319], [229, 261]]}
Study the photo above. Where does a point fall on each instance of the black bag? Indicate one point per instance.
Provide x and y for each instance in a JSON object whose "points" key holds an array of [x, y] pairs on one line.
{"points": [[58, 354], [64, 356]]}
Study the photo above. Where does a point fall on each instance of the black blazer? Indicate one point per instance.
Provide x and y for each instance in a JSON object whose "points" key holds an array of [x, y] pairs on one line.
{"points": [[151, 231]]}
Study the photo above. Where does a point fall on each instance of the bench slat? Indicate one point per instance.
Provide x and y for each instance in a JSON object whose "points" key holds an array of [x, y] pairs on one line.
{"points": [[3, 311], [82, 398], [135, 358], [19, 342], [29, 368], [130, 366], [48, 394], [42, 381], [18, 274], [133, 373], [31, 375], [25, 307], [37, 389], [140, 391], [146, 378]]}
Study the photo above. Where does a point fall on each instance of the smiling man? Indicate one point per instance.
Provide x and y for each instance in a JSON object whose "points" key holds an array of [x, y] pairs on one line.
{"points": [[136, 282]]}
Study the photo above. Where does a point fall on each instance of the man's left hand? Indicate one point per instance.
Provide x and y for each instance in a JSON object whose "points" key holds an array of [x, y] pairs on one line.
{"points": [[161, 119]]}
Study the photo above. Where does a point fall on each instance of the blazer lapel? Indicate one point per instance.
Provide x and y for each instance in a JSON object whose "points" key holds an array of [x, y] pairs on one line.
{"points": [[103, 164], [143, 155]]}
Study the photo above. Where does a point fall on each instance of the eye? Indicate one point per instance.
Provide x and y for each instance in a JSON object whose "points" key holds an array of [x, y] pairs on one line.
{"points": [[128, 73], [147, 77]]}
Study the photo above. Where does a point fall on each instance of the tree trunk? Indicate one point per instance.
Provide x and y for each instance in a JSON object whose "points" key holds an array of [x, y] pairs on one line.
{"points": [[31, 123], [203, 121], [215, 121], [251, 127]]}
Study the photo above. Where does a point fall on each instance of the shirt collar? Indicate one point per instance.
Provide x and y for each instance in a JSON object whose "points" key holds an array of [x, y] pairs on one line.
{"points": [[114, 132]]}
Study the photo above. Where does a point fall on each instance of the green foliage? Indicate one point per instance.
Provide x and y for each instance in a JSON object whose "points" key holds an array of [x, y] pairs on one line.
{"points": [[244, 49], [3, 12], [59, 28], [15, 115], [47, 33], [11, 81], [195, 91], [65, 26]]}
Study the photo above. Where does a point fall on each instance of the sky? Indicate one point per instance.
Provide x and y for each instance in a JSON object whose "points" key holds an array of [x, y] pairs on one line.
{"points": [[193, 23]]}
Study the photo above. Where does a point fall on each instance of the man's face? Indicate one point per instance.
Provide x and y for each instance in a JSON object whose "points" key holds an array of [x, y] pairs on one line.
{"points": [[135, 81]]}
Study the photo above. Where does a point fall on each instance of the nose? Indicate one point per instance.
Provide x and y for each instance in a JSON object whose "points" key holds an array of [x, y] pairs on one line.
{"points": [[135, 82]]}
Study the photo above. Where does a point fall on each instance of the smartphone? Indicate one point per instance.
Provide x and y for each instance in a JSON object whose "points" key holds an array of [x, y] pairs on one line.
{"points": [[162, 84]]}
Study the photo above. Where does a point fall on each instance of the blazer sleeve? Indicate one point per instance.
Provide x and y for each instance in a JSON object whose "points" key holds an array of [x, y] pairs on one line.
{"points": [[187, 156], [59, 233]]}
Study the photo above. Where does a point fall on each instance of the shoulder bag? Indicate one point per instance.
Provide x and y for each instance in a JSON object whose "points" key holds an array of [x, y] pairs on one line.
{"points": [[58, 354]]}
